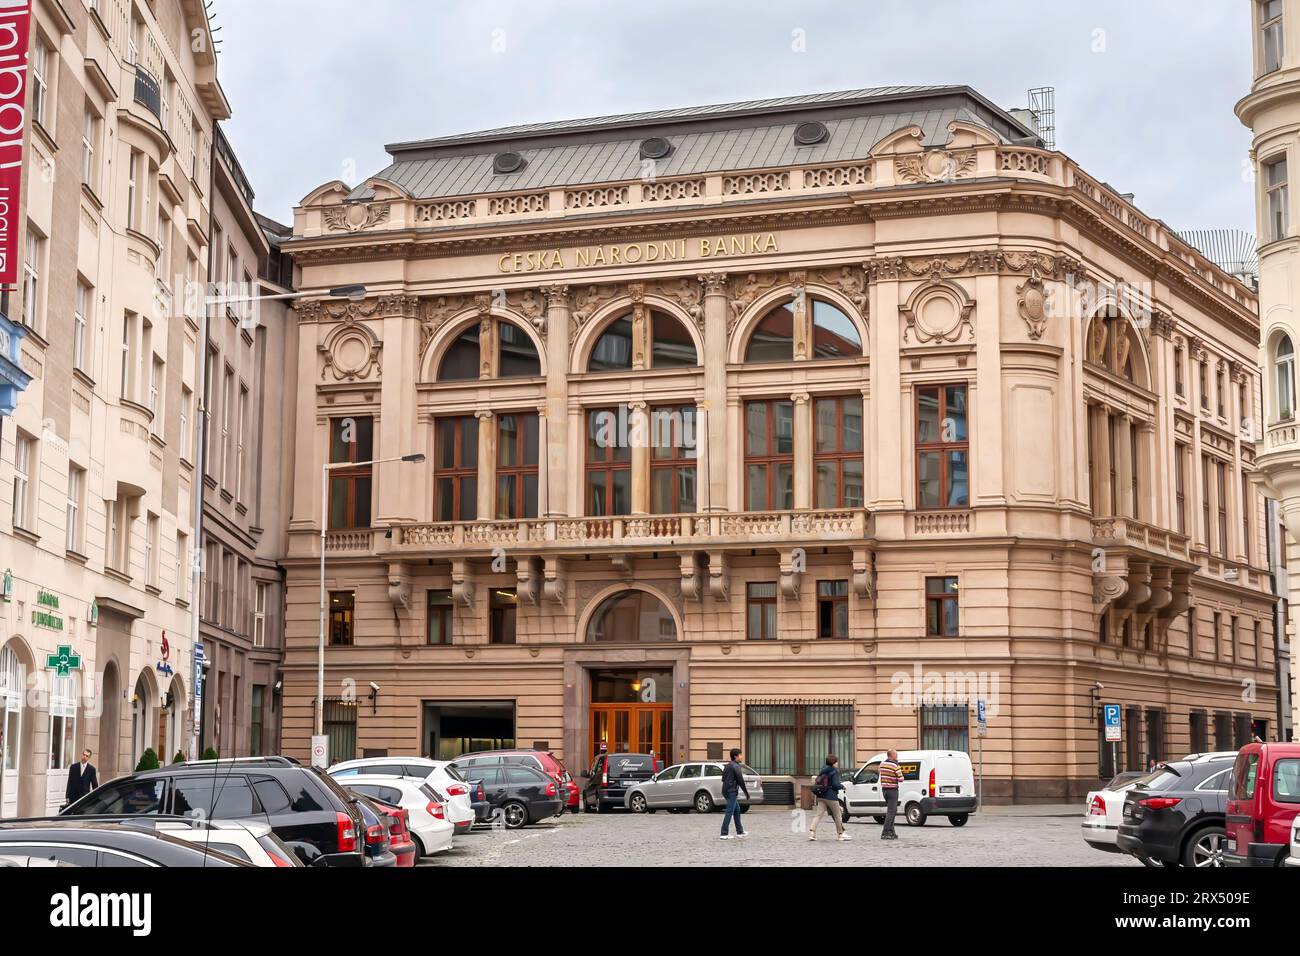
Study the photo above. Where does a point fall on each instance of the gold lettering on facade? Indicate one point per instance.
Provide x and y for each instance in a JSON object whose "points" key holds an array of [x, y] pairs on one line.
{"points": [[630, 253]]}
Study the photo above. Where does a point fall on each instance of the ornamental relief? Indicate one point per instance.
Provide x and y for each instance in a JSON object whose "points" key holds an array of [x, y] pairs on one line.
{"points": [[935, 166], [351, 353], [356, 216], [938, 311]]}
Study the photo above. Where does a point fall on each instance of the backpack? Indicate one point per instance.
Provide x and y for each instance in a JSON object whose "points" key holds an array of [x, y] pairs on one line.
{"points": [[821, 785]]}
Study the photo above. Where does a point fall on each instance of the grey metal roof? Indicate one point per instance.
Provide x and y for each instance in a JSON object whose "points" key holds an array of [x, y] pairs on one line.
{"points": [[705, 139]]}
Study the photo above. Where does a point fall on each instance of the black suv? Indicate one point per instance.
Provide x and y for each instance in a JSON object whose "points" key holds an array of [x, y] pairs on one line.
{"points": [[308, 811], [610, 776], [1174, 816]]}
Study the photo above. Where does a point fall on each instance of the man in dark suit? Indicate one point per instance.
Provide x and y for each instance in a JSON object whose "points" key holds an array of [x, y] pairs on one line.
{"points": [[81, 778]]}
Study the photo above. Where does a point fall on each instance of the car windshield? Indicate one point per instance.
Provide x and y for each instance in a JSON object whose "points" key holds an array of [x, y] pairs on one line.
{"points": [[1124, 779], [1164, 777]]}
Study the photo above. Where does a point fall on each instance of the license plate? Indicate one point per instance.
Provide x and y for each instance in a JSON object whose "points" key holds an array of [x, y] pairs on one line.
{"points": [[950, 789], [627, 783]]}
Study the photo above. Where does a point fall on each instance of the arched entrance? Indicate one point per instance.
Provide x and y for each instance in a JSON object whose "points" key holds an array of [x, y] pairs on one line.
{"points": [[110, 726], [144, 705], [13, 683]]}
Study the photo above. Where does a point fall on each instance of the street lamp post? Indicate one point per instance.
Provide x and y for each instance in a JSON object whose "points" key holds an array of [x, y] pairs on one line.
{"points": [[326, 468]]}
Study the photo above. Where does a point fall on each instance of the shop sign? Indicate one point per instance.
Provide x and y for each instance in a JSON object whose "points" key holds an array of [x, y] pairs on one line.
{"points": [[45, 614], [632, 253], [64, 661]]}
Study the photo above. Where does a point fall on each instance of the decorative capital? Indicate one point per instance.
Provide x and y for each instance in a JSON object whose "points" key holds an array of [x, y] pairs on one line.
{"points": [[557, 296]]}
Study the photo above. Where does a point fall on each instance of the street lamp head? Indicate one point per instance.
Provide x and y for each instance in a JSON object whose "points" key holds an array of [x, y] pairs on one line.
{"points": [[417, 457], [353, 293]]}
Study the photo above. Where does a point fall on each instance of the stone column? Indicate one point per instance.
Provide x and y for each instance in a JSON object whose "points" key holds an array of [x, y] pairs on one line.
{"points": [[638, 423], [487, 464], [803, 450], [543, 472], [554, 464], [891, 425], [397, 484], [1124, 466], [1150, 491], [310, 451], [1099, 422], [702, 476], [714, 359], [985, 404]]}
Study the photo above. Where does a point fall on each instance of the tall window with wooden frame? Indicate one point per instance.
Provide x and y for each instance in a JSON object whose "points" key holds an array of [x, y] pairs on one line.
{"points": [[609, 462], [673, 456], [1203, 382], [351, 445], [942, 447], [837, 453], [941, 607], [769, 455], [1205, 501], [1247, 517], [516, 473], [760, 610], [833, 609], [1180, 387], [1221, 500], [1180, 485], [455, 469], [342, 608], [439, 622]]}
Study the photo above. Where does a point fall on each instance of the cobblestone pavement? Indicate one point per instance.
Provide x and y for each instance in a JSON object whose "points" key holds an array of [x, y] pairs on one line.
{"points": [[1019, 836]]}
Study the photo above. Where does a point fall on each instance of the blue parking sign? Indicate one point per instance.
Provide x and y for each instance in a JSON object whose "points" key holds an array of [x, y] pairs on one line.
{"points": [[1113, 731]]}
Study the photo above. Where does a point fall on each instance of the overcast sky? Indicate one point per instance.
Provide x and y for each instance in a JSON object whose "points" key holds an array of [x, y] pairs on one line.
{"points": [[1144, 90]]}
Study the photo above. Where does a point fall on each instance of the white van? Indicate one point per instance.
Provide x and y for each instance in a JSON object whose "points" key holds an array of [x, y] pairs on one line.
{"points": [[935, 783]]}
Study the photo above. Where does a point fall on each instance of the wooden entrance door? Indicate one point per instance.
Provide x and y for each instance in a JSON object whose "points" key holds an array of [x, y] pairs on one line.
{"points": [[633, 728]]}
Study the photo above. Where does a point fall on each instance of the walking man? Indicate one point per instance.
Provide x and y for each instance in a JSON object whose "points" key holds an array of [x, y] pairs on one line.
{"points": [[890, 777], [733, 781], [827, 789], [81, 778]]}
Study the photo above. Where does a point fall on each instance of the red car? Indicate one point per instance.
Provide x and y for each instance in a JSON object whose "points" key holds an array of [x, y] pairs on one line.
{"points": [[399, 834], [542, 760], [1263, 801]]}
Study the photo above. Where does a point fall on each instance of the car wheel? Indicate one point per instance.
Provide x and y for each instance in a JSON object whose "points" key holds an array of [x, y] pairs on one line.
{"points": [[1205, 848], [915, 817], [703, 802], [959, 819], [515, 815], [637, 803]]}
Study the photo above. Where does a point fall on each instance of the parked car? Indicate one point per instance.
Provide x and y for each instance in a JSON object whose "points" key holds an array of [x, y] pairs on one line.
{"points": [[518, 795], [399, 833], [101, 843], [1175, 815], [375, 835], [426, 807], [309, 812], [695, 785], [26, 862], [610, 776], [1263, 804], [254, 843], [935, 783], [440, 773], [1103, 811], [1293, 854], [543, 760]]}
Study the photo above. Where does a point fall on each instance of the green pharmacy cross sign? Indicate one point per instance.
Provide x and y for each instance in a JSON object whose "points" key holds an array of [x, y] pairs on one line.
{"points": [[64, 661]]}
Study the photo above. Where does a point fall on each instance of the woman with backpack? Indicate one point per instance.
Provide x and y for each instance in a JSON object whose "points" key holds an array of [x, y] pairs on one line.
{"points": [[826, 788]]}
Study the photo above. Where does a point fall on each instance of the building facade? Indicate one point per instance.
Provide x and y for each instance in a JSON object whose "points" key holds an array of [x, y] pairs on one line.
{"points": [[800, 425], [1272, 112], [247, 465], [96, 473]]}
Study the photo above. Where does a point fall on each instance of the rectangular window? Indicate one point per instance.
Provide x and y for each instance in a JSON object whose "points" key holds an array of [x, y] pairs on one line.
{"points": [[342, 606], [1221, 499], [80, 326], [941, 607], [351, 443], [1180, 484], [455, 469], [439, 623], [503, 605], [182, 566], [259, 615], [24, 472], [89, 146], [340, 725], [673, 451], [837, 453], [945, 727], [164, 239], [760, 610], [609, 462], [255, 720], [1247, 516], [33, 259], [942, 447], [1203, 380], [1205, 499], [788, 739], [832, 608], [151, 551], [134, 180], [1216, 634], [1155, 736], [1271, 35], [1199, 731], [40, 61], [517, 455], [1221, 393], [156, 380], [76, 499], [769, 455], [240, 425], [1223, 731], [186, 413], [227, 421], [1179, 387], [1276, 195]]}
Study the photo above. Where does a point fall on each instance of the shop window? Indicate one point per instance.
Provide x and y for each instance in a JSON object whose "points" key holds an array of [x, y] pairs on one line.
{"points": [[794, 739], [340, 726]]}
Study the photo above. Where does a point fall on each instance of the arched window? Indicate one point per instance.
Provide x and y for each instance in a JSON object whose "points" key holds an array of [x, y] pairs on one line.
{"points": [[517, 356], [833, 333], [671, 345], [1285, 366], [12, 689], [631, 616]]}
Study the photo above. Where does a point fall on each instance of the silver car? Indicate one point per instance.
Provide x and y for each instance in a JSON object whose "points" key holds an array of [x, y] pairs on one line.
{"points": [[687, 785]]}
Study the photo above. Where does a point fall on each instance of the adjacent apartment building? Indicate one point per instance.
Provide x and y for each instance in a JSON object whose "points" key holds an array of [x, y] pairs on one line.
{"points": [[97, 458], [799, 424], [1272, 111]]}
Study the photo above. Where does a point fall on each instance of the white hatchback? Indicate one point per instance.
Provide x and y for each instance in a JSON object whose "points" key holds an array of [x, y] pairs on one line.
{"points": [[1103, 811], [444, 777], [426, 811]]}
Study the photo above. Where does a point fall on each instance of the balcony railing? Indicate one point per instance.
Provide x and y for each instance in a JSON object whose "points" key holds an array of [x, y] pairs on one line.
{"points": [[1128, 532], [147, 93], [1281, 433], [622, 531]]}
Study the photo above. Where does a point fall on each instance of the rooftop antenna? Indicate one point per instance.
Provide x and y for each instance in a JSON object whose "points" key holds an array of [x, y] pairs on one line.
{"points": [[1042, 103], [1232, 250]]}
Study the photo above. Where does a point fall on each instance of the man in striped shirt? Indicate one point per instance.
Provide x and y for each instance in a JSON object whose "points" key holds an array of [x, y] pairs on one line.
{"points": [[890, 777]]}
